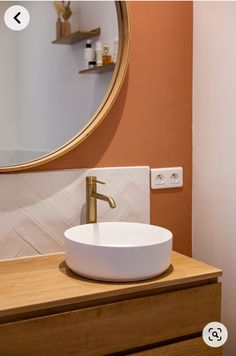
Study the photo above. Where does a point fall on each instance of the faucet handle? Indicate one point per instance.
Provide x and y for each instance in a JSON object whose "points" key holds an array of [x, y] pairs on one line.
{"points": [[98, 181], [93, 179]]}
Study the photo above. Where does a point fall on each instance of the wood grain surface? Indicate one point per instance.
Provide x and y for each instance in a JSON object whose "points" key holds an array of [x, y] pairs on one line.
{"points": [[194, 347], [114, 327], [45, 282]]}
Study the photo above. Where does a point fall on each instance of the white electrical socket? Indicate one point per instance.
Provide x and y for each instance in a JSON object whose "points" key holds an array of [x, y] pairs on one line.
{"points": [[162, 178]]}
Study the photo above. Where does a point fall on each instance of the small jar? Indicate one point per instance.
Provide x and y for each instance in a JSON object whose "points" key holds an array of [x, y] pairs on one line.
{"points": [[106, 57]]}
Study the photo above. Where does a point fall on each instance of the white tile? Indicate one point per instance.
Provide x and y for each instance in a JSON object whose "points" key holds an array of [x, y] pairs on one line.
{"points": [[108, 214], [132, 215], [36, 208], [36, 236], [65, 178], [42, 213], [9, 218], [27, 251], [80, 217], [48, 189], [11, 246], [10, 185]]}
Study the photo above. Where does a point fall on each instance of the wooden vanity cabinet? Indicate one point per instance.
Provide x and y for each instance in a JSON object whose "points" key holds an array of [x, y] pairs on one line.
{"points": [[68, 315], [195, 346]]}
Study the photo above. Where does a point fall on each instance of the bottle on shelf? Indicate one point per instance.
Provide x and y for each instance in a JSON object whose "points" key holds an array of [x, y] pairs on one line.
{"points": [[106, 57], [92, 64], [99, 53], [115, 49], [89, 53]]}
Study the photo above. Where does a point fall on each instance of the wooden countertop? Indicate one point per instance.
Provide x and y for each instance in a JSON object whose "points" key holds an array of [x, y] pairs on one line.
{"points": [[42, 285]]}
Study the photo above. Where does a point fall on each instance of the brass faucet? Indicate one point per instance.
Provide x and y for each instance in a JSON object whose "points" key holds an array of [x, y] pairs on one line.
{"points": [[91, 199]]}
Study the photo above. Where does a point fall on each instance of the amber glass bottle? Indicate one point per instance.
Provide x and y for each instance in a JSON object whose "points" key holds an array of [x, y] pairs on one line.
{"points": [[106, 57]]}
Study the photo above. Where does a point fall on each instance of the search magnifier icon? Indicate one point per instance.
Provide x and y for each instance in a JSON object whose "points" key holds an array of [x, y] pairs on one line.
{"points": [[214, 334]]}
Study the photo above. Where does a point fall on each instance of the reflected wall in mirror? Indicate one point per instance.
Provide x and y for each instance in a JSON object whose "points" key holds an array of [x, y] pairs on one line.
{"points": [[46, 104]]}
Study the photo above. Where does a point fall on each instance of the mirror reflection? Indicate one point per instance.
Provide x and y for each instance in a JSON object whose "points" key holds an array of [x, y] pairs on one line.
{"points": [[54, 74]]}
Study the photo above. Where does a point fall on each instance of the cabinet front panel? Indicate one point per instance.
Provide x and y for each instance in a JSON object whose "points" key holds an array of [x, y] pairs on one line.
{"points": [[193, 347], [114, 327]]}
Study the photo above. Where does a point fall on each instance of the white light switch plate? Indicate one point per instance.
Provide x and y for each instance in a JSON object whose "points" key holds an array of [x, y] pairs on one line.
{"points": [[162, 178]]}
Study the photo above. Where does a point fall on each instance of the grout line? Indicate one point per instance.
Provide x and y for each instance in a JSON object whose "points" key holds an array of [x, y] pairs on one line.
{"points": [[26, 241], [38, 223]]}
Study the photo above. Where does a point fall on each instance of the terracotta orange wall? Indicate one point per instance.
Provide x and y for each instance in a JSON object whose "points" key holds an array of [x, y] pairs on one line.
{"points": [[151, 123]]}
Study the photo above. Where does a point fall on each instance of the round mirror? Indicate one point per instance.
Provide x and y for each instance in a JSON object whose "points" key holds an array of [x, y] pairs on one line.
{"points": [[61, 68]]}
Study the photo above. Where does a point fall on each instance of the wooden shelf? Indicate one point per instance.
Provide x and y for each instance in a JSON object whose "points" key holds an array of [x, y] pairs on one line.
{"points": [[78, 36], [99, 69]]}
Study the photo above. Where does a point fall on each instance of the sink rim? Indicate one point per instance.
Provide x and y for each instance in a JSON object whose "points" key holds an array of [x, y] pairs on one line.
{"points": [[167, 235]]}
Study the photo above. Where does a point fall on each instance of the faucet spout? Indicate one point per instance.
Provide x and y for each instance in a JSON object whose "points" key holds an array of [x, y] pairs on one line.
{"points": [[110, 200], [91, 199]]}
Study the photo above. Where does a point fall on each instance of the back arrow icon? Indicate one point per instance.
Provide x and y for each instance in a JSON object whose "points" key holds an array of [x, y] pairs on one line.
{"points": [[16, 17]]}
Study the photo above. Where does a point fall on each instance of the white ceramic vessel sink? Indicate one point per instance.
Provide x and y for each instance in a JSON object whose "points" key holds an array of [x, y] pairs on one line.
{"points": [[117, 251]]}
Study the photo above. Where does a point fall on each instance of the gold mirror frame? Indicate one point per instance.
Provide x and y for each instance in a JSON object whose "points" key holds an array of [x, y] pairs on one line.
{"points": [[109, 99]]}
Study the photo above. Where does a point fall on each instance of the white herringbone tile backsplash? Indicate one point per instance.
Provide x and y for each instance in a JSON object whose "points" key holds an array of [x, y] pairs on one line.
{"points": [[36, 208]]}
